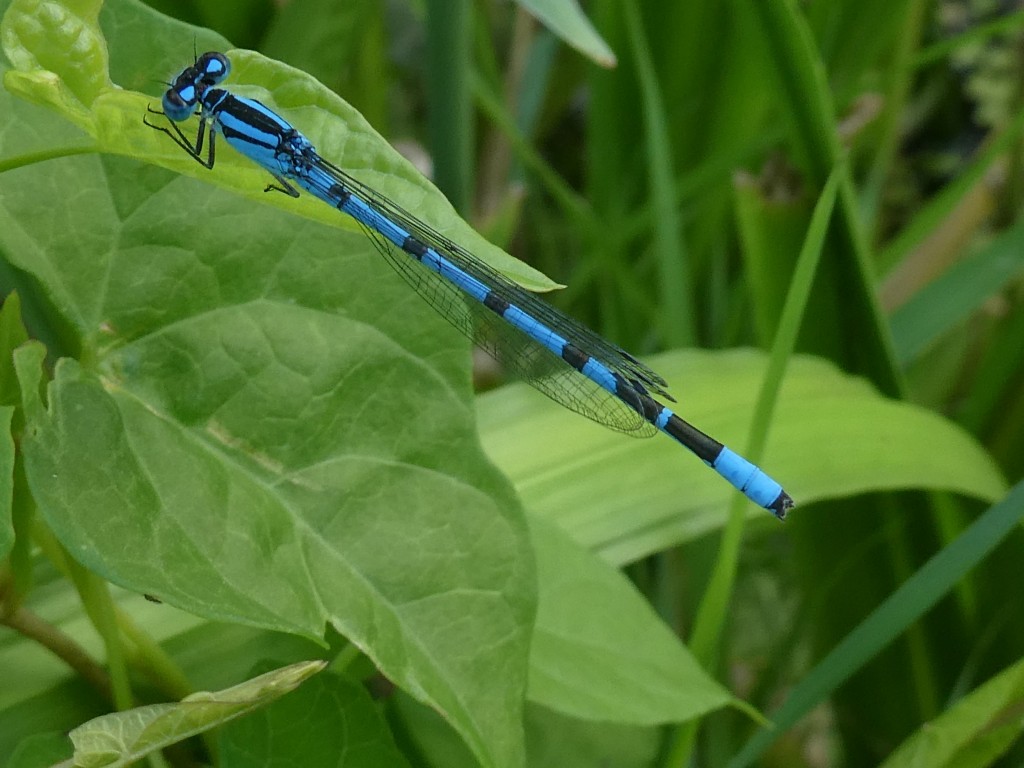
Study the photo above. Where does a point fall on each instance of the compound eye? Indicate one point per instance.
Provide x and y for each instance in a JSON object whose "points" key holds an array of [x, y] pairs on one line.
{"points": [[213, 67], [176, 107]]}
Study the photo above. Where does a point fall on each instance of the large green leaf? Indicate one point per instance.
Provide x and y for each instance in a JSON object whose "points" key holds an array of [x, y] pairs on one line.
{"points": [[833, 436], [238, 450], [60, 61], [261, 424], [599, 650]]}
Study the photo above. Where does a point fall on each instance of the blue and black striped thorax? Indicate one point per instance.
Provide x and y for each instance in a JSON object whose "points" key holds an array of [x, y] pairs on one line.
{"points": [[260, 134]]}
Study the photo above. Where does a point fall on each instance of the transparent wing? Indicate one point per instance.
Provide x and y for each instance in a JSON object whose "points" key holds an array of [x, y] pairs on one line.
{"points": [[516, 351]]}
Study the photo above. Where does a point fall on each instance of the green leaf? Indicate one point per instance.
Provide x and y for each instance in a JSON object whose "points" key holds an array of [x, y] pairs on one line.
{"points": [[58, 55], [599, 651], [76, 84], [565, 19], [120, 738], [975, 731], [833, 436], [240, 450], [331, 722], [264, 426]]}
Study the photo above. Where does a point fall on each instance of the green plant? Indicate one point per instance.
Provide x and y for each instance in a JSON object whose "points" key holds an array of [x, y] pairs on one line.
{"points": [[236, 410]]}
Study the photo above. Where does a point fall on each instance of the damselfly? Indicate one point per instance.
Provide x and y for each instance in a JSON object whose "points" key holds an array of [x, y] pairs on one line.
{"points": [[566, 361]]}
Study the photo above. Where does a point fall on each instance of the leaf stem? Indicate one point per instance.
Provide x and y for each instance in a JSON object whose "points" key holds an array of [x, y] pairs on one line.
{"points": [[61, 645]]}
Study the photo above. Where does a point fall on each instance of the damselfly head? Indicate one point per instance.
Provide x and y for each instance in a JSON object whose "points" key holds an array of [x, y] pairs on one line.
{"points": [[180, 104]]}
